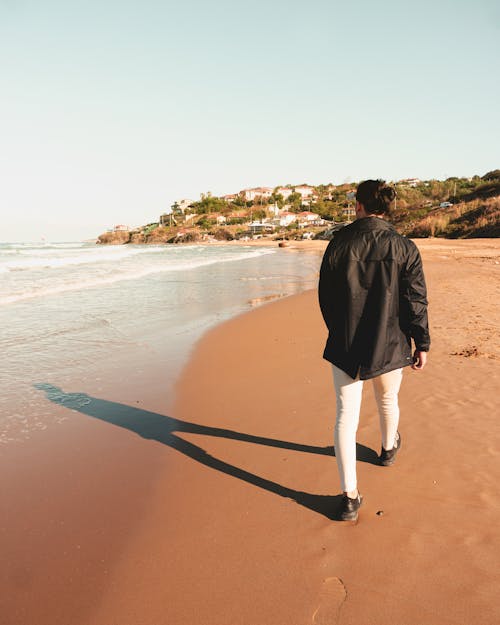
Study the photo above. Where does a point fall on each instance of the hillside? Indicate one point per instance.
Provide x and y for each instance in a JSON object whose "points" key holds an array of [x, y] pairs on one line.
{"points": [[452, 208], [476, 218]]}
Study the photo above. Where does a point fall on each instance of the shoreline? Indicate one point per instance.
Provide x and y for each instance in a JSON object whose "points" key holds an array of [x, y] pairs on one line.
{"points": [[142, 507], [310, 243]]}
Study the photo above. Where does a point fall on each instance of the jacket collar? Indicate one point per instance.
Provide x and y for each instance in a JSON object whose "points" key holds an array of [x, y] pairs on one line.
{"points": [[371, 223]]}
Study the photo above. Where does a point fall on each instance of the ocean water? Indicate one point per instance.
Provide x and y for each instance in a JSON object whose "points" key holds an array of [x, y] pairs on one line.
{"points": [[79, 316]]}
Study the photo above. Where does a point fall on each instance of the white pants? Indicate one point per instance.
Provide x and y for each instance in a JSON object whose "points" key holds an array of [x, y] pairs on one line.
{"points": [[348, 393]]}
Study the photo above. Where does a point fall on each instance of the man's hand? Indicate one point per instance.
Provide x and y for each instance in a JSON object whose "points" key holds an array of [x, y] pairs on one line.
{"points": [[419, 360]]}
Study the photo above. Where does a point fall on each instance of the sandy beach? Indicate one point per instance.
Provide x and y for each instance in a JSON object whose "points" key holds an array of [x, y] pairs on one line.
{"points": [[221, 510]]}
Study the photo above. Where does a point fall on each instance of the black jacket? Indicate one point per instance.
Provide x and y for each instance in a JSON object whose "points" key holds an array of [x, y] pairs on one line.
{"points": [[373, 299]]}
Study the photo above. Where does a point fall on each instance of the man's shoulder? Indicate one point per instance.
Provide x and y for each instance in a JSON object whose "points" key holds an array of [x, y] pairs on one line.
{"points": [[410, 245], [408, 251], [339, 235], [404, 241], [344, 230]]}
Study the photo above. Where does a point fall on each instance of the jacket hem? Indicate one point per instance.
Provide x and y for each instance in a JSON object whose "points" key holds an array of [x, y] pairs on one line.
{"points": [[372, 374]]}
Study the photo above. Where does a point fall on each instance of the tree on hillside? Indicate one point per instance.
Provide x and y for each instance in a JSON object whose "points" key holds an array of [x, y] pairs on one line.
{"points": [[209, 204], [322, 190], [295, 201], [277, 198], [324, 209], [239, 200], [258, 214], [492, 175], [205, 223]]}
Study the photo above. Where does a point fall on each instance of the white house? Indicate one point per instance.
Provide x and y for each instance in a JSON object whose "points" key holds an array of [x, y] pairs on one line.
{"points": [[182, 205], [174, 219], [121, 228], [284, 219], [256, 192], [410, 182], [305, 191], [261, 226], [284, 191], [306, 218]]}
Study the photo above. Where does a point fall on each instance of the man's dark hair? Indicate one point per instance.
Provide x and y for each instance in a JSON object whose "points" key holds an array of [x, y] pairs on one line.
{"points": [[375, 196]]}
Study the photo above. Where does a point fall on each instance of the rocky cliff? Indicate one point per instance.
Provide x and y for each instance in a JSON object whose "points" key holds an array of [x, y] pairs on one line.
{"points": [[114, 238]]}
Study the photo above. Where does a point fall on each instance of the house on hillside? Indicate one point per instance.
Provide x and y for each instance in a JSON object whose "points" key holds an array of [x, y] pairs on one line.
{"points": [[285, 192], [410, 182], [257, 192], [284, 219], [121, 228], [306, 218], [177, 214], [305, 191], [260, 227], [176, 218], [166, 219], [180, 206]]}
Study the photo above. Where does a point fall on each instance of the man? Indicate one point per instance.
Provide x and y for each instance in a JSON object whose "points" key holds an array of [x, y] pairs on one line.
{"points": [[373, 298]]}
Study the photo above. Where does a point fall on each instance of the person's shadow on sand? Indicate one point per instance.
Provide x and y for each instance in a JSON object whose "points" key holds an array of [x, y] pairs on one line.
{"points": [[161, 428]]}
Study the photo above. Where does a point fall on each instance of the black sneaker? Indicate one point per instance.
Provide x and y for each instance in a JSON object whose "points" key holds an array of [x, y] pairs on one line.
{"points": [[388, 456], [350, 507]]}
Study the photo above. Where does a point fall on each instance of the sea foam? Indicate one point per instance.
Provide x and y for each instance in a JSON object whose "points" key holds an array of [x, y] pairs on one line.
{"points": [[39, 276]]}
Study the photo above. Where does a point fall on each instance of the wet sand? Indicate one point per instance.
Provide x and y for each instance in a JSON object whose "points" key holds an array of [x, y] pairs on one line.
{"points": [[223, 512]]}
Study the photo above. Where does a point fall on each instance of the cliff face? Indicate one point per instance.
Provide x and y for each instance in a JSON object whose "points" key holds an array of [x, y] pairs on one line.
{"points": [[155, 236], [114, 238], [137, 237], [160, 235]]}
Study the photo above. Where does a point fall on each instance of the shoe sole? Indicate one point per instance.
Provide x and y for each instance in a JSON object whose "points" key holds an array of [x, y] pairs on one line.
{"points": [[388, 463], [354, 517]]}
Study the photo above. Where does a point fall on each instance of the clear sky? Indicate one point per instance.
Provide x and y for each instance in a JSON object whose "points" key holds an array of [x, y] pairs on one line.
{"points": [[112, 109]]}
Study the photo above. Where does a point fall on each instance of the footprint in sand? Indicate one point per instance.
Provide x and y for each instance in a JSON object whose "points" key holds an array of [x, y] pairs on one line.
{"points": [[333, 595]]}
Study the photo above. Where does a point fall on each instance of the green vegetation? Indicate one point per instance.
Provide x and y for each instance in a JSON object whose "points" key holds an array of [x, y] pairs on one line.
{"points": [[209, 204], [204, 223], [259, 214], [149, 228]]}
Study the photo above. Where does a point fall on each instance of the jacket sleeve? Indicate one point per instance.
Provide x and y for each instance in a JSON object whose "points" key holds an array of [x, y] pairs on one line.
{"points": [[415, 294], [326, 286]]}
